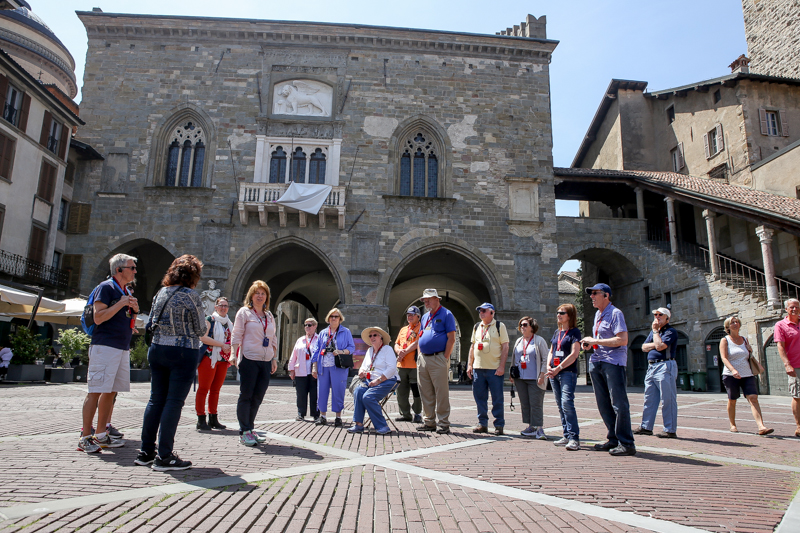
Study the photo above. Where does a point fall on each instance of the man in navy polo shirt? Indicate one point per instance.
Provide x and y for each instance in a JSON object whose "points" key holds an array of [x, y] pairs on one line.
{"points": [[435, 345], [109, 370], [608, 365], [660, 382]]}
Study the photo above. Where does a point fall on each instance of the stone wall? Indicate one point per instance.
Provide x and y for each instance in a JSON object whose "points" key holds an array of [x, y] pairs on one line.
{"points": [[772, 29]]}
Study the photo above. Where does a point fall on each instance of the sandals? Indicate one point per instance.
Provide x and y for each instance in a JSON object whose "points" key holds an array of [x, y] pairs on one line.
{"points": [[765, 431]]}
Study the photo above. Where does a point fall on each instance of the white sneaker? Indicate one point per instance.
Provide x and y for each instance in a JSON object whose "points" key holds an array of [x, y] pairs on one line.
{"points": [[248, 439], [562, 441], [540, 434], [573, 445], [529, 431]]}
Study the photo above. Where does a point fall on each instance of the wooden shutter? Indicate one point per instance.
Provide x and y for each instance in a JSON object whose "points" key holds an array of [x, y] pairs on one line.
{"points": [[784, 123], [720, 141], [705, 146], [47, 181], [3, 90], [37, 244], [71, 263], [78, 219], [681, 162], [64, 142], [762, 117], [46, 123], [6, 156], [23, 114]]}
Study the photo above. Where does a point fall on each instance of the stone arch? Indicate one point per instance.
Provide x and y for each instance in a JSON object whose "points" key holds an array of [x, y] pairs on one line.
{"points": [[159, 142], [250, 260], [153, 260], [423, 246], [625, 263], [432, 127]]}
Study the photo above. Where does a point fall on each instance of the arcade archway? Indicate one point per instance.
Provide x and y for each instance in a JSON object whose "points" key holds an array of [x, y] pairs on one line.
{"points": [[461, 282]]}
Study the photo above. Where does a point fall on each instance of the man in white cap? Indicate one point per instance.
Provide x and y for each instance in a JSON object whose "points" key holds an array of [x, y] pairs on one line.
{"points": [[435, 345], [662, 374], [487, 368]]}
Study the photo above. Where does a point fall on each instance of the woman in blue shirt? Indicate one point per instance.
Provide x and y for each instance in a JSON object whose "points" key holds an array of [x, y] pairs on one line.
{"points": [[562, 369], [335, 340]]}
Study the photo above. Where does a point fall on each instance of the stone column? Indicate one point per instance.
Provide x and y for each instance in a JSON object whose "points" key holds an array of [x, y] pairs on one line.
{"points": [[712, 242], [765, 236], [673, 230], [639, 202]]}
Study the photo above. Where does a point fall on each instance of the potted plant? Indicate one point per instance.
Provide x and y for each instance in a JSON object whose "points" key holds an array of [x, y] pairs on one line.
{"points": [[27, 348], [74, 345], [140, 371]]}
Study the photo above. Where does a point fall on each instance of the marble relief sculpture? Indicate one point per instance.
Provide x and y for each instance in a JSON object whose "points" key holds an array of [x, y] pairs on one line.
{"points": [[302, 97]]}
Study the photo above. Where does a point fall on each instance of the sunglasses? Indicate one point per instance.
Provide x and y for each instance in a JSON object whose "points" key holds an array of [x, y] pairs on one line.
{"points": [[371, 335], [524, 325], [561, 312], [308, 325], [484, 310], [335, 316], [658, 314], [132, 268]]}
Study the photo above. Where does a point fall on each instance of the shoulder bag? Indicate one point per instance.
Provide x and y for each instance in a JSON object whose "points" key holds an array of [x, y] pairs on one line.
{"points": [[755, 366]]}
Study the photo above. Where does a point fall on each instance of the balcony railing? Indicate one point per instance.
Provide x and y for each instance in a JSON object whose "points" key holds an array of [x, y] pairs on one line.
{"points": [[32, 271], [735, 273], [261, 198]]}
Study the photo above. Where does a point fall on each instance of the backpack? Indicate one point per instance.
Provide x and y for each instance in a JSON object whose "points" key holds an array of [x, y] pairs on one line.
{"points": [[87, 318], [496, 324]]}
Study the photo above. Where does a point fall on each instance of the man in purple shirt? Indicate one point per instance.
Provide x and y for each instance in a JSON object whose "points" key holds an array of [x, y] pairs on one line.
{"points": [[608, 368]]}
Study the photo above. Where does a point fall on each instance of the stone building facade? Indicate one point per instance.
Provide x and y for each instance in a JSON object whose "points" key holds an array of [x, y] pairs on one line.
{"points": [[436, 145], [772, 29]]}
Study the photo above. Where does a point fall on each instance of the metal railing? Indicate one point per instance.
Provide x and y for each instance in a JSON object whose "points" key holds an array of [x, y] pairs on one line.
{"points": [[268, 193], [20, 267], [735, 273]]}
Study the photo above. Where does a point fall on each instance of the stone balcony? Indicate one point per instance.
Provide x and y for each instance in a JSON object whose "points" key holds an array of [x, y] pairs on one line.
{"points": [[261, 197]]}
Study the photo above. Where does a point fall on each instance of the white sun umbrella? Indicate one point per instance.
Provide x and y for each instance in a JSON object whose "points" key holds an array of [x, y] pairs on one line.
{"points": [[69, 314], [17, 301]]}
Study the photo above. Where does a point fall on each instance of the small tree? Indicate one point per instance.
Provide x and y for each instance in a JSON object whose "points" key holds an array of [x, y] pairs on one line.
{"points": [[580, 298], [26, 346], [74, 343], [139, 353]]}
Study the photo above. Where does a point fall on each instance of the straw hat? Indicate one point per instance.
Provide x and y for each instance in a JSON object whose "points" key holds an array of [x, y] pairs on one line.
{"points": [[365, 335]]}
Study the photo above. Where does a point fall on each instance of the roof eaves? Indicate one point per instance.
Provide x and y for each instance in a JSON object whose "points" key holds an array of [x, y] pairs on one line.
{"points": [[87, 150], [775, 155]]}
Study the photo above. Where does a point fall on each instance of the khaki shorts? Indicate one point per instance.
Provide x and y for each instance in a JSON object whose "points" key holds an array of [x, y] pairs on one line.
{"points": [[794, 384], [109, 369]]}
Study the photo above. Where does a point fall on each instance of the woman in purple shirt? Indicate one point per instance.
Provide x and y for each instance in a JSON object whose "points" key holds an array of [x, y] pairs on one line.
{"points": [[562, 369], [334, 340]]}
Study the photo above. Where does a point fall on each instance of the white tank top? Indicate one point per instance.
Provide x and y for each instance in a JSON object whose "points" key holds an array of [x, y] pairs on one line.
{"points": [[738, 356]]}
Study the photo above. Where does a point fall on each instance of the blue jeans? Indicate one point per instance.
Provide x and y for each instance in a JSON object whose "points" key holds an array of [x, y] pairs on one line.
{"points": [[483, 382], [367, 399], [564, 390], [610, 391], [253, 383], [660, 384], [172, 371]]}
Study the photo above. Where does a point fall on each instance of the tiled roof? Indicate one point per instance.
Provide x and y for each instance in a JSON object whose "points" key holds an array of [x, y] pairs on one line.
{"points": [[565, 287], [779, 205]]}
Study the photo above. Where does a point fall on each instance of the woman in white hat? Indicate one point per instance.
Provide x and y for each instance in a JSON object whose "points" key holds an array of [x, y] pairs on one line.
{"points": [[378, 373]]}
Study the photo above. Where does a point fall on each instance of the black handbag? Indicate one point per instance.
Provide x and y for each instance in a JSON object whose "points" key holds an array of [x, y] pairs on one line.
{"points": [[514, 370], [344, 360], [149, 329]]}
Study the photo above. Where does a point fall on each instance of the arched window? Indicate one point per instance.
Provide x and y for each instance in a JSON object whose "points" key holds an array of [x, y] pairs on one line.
{"points": [[185, 156], [277, 166], [298, 171], [317, 167], [419, 166]]}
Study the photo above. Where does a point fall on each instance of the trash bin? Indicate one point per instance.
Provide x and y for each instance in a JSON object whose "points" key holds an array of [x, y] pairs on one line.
{"points": [[699, 381], [683, 381]]}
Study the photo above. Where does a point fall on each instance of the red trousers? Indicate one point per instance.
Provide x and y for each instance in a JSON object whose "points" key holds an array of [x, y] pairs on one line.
{"points": [[209, 382]]}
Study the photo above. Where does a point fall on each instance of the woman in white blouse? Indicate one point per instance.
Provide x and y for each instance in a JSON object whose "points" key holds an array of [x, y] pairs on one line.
{"points": [[378, 373]]}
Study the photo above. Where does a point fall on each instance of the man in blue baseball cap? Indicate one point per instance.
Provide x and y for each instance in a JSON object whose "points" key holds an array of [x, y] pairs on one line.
{"points": [[487, 367], [405, 346], [608, 368]]}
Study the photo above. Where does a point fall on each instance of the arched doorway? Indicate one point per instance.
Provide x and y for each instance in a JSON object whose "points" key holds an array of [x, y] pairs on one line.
{"points": [[302, 284], [152, 263], [777, 380], [714, 364], [461, 282]]}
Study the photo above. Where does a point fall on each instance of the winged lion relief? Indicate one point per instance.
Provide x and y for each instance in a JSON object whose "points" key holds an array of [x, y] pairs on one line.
{"points": [[302, 97]]}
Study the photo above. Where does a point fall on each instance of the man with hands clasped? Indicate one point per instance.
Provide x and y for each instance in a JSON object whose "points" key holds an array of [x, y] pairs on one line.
{"points": [[487, 366], [660, 382]]}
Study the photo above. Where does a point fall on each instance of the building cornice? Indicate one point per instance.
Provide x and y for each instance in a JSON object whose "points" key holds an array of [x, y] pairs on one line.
{"points": [[314, 34]]}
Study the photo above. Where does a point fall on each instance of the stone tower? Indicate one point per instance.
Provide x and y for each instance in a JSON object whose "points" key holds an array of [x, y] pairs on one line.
{"points": [[772, 29]]}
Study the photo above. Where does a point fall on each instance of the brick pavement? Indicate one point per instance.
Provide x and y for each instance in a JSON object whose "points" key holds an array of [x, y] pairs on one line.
{"points": [[324, 479]]}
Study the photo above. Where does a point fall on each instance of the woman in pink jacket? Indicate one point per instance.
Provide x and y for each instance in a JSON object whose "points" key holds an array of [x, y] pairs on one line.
{"points": [[254, 342], [300, 371]]}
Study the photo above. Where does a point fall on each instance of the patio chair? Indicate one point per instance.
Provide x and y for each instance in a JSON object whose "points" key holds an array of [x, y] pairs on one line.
{"points": [[382, 403]]}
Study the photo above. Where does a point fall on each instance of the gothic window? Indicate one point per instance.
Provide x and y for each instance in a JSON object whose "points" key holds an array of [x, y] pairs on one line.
{"points": [[419, 166], [298, 173], [186, 156], [277, 166], [317, 167]]}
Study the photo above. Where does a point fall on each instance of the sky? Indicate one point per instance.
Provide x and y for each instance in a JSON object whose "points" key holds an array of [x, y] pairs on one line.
{"points": [[667, 44]]}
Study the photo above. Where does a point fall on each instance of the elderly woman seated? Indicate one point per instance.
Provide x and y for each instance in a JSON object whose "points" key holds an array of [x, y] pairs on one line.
{"points": [[378, 374]]}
